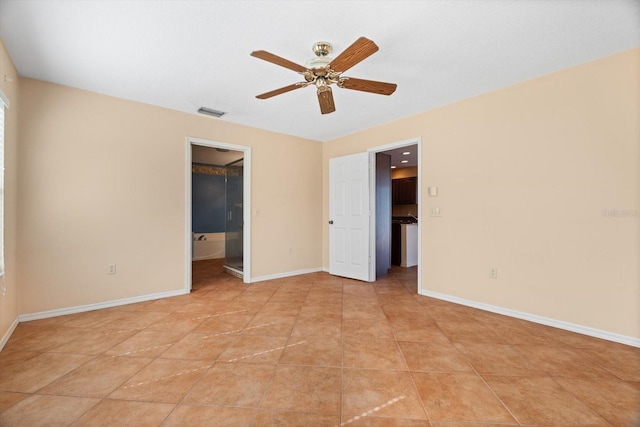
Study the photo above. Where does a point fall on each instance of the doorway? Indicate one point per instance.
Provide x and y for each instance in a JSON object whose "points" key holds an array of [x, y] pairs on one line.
{"points": [[353, 211], [396, 232], [218, 207]]}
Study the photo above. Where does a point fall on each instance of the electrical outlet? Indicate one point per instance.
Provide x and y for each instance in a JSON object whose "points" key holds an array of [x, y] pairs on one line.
{"points": [[290, 250], [493, 273], [111, 269]]}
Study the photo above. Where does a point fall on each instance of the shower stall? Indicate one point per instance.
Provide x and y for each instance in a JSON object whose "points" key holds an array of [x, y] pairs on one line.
{"points": [[234, 221]]}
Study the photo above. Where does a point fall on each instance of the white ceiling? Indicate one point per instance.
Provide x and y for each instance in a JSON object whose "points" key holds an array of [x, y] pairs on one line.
{"points": [[187, 54], [398, 156]]}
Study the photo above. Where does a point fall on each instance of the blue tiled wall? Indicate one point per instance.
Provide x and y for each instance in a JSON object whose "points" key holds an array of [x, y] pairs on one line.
{"points": [[208, 203]]}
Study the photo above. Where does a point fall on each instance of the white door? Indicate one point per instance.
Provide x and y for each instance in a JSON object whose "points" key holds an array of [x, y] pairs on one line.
{"points": [[349, 215]]}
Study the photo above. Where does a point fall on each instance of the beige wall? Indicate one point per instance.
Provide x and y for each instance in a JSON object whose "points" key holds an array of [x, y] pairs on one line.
{"points": [[524, 175], [102, 181], [9, 302]]}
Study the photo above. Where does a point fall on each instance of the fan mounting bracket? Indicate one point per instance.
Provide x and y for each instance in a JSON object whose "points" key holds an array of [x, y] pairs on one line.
{"points": [[322, 48]]}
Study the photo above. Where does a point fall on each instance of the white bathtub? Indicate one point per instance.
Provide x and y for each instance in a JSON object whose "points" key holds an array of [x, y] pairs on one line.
{"points": [[211, 246]]}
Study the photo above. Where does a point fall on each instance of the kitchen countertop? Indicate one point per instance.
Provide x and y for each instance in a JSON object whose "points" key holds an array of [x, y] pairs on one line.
{"points": [[403, 220]]}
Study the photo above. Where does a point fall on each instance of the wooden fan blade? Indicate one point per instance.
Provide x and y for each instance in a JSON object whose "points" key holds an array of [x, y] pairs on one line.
{"points": [[281, 90], [358, 51], [275, 59], [372, 86], [325, 97]]}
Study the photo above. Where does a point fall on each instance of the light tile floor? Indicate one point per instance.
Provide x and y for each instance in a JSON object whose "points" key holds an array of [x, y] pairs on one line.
{"points": [[312, 350]]}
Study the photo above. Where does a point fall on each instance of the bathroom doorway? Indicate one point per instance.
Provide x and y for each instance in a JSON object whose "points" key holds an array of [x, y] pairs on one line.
{"points": [[218, 220]]}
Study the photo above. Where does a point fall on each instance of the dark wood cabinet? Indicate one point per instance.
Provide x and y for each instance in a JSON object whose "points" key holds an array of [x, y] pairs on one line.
{"points": [[404, 191]]}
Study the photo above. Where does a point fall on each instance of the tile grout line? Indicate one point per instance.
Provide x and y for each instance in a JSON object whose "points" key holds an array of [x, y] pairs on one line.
{"points": [[579, 399], [275, 367], [341, 394], [186, 393], [464, 356], [94, 357], [415, 388], [504, 405], [159, 356], [211, 364]]}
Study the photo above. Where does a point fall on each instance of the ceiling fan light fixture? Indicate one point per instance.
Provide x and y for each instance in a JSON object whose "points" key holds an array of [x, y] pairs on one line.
{"points": [[211, 112], [321, 84], [319, 62]]}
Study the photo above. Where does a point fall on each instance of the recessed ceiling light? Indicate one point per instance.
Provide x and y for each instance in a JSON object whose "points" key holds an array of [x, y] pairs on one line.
{"points": [[405, 161], [406, 153], [393, 167]]}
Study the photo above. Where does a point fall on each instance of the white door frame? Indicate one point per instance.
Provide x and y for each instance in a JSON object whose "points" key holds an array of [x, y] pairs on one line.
{"points": [[246, 211], [372, 200]]}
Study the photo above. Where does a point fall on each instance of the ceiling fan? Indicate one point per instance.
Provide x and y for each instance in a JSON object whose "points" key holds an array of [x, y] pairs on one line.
{"points": [[323, 71]]}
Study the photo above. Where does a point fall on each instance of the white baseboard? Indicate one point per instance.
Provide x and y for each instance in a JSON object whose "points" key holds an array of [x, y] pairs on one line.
{"points": [[97, 306], [286, 274], [592, 332], [7, 335]]}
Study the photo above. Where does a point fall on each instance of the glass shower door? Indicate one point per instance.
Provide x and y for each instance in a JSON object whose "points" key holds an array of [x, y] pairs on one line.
{"points": [[234, 221]]}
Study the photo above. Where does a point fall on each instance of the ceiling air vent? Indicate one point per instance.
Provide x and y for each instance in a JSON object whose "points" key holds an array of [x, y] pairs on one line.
{"points": [[211, 112]]}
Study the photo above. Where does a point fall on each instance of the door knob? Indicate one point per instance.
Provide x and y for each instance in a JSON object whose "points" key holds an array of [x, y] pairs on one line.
{"points": [[330, 222]]}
